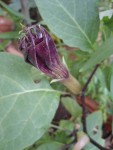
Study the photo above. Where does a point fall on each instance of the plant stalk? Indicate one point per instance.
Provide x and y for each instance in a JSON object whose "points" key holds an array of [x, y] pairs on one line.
{"points": [[72, 84]]}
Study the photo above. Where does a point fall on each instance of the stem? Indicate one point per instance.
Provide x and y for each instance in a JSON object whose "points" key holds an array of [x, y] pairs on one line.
{"points": [[83, 112], [90, 77], [83, 98], [84, 109], [97, 145], [72, 84], [25, 11]]}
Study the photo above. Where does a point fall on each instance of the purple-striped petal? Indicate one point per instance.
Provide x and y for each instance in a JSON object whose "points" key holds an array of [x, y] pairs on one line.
{"points": [[39, 50]]}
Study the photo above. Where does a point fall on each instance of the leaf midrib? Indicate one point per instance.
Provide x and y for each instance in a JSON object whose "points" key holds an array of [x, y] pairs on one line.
{"points": [[75, 22], [29, 91]]}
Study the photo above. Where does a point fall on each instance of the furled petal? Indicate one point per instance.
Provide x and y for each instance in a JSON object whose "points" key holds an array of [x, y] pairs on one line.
{"points": [[39, 50]]}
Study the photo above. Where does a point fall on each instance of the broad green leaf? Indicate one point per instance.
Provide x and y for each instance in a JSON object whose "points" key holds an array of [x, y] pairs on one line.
{"points": [[72, 106], [74, 21], [94, 128], [26, 108], [102, 52]]}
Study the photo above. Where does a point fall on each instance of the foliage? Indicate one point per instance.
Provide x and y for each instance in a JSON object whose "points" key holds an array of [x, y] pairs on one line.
{"points": [[29, 103]]}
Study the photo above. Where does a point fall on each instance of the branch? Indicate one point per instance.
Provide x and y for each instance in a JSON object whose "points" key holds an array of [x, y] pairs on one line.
{"points": [[84, 109], [83, 98]]}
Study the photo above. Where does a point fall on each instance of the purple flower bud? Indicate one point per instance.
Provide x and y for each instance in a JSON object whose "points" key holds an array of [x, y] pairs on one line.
{"points": [[39, 50]]}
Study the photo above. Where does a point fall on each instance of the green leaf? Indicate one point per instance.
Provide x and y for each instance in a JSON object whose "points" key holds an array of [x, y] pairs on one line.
{"points": [[94, 128], [108, 22], [111, 86], [72, 106], [101, 77], [50, 146], [67, 125], [111, 81], [26, 108], [15, 13], [101, 53], [11, 10], [108, 73], [74, 21], [10, 35], [3, 44]]}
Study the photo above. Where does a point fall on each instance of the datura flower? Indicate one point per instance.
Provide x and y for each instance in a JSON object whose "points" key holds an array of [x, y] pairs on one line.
{"points": [[39, 50]]}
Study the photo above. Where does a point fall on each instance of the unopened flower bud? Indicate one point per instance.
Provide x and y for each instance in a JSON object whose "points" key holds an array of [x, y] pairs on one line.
{"points": [[40, 51]]}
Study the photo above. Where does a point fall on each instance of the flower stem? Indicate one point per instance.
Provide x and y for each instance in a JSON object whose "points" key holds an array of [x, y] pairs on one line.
{"points": [[72, 84]]}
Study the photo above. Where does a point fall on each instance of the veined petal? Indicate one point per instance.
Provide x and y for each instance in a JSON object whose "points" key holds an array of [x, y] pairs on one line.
{"points": [[39, 50]]}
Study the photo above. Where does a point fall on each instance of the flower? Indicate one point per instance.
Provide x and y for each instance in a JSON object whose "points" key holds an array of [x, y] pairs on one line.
{"points": [[39, 50]]}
